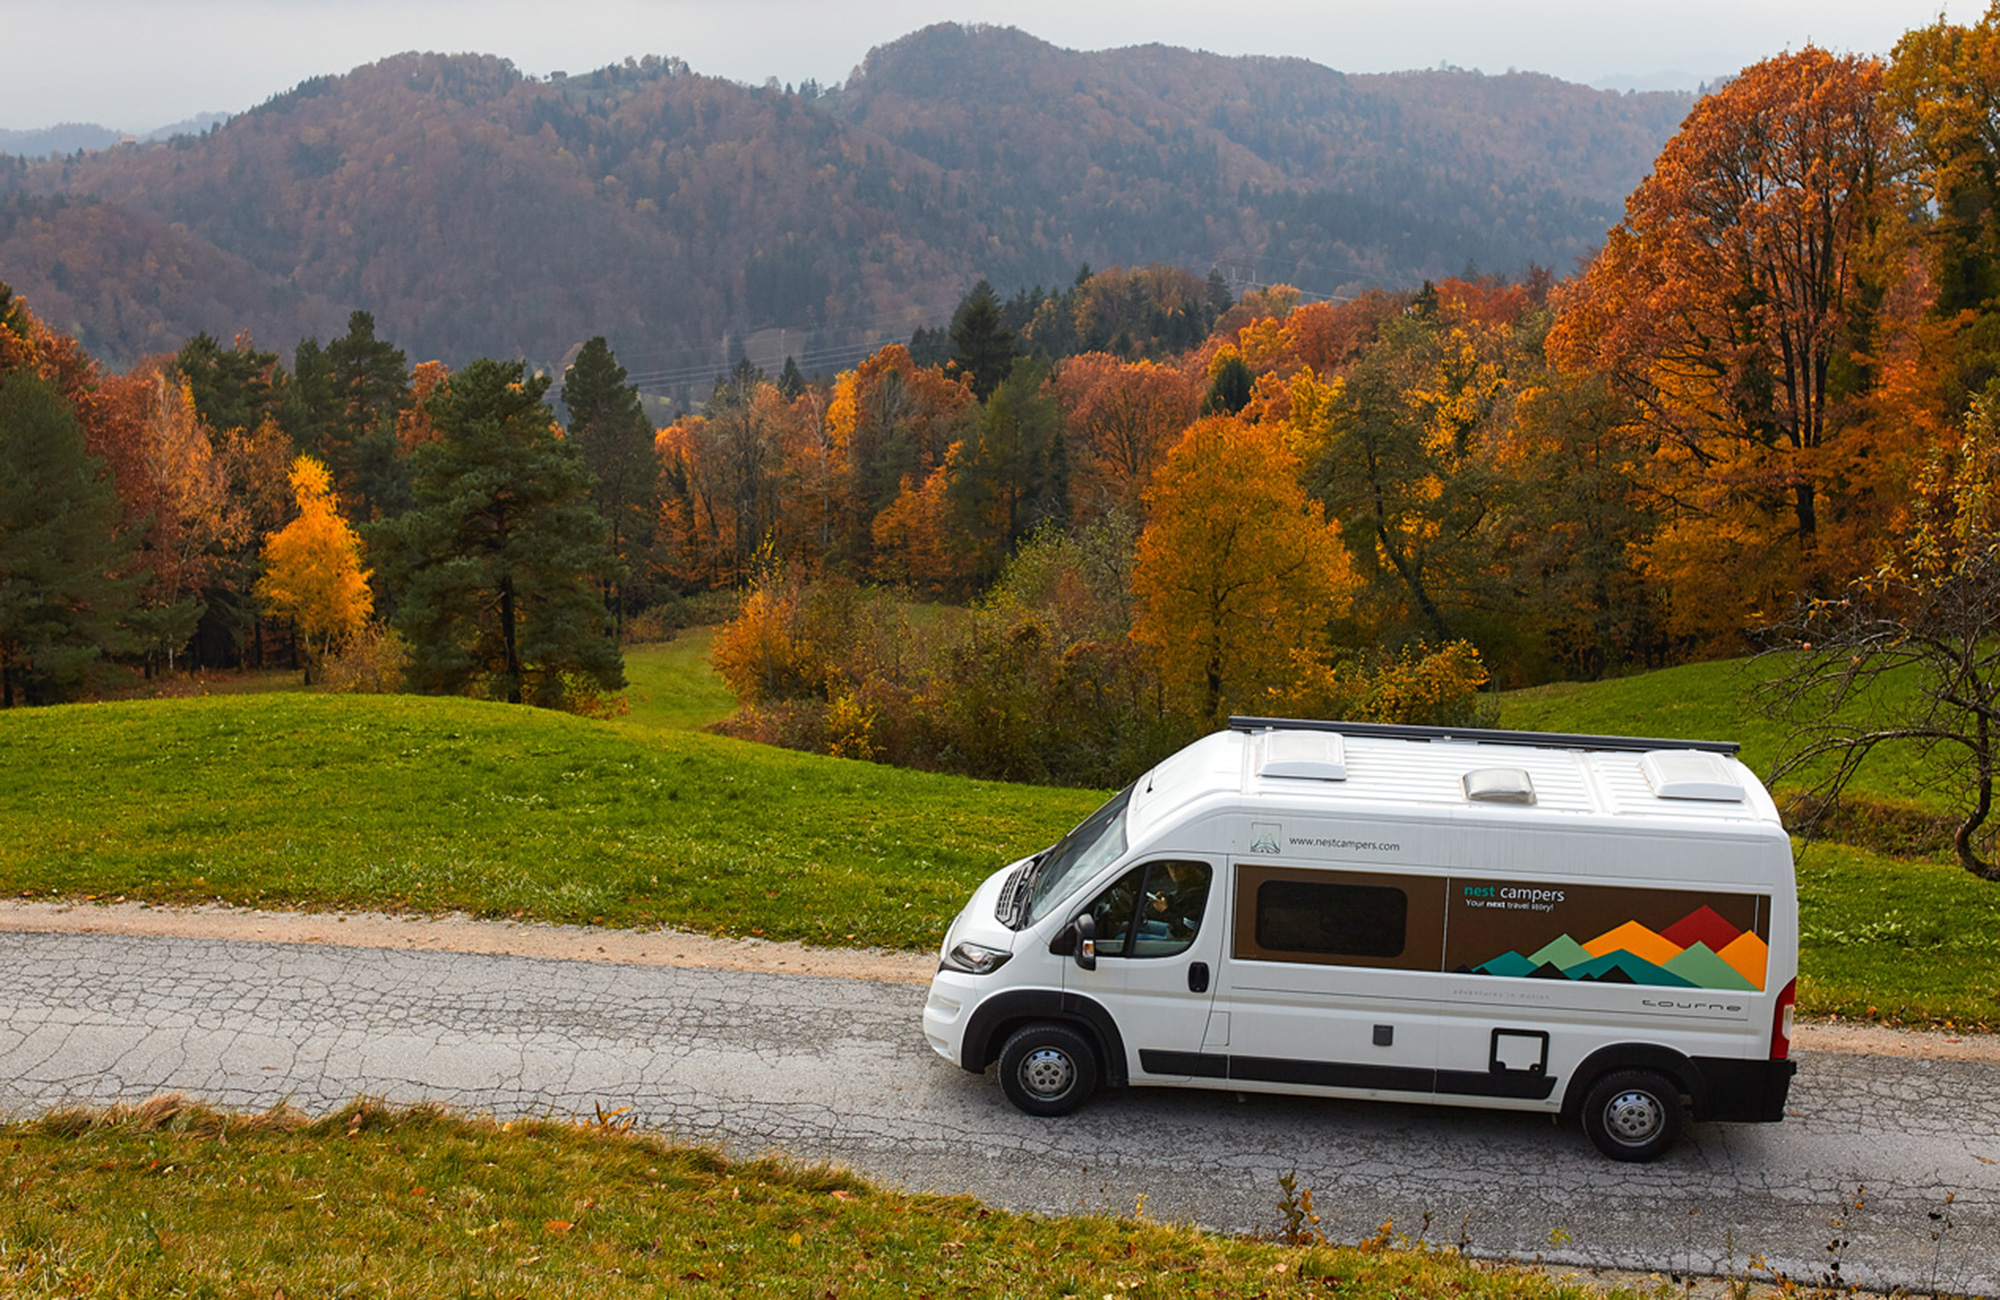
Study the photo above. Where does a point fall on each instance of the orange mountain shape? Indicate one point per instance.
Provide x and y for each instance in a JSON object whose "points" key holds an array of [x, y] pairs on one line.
{"points": [[1637, 940], [1747, 955]]}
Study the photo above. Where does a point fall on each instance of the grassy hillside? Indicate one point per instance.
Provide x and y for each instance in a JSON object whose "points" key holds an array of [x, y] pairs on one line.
{"points": [[671, 686], [405, 802], [1706, 701]]}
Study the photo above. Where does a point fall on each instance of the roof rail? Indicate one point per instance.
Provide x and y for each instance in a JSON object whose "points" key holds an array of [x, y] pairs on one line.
{"points": [[1483, 735]]}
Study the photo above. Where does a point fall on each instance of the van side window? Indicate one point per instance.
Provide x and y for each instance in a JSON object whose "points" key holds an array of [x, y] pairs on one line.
{"points": [[1153, 910], [1176, 894], [1309, 916], [1113, 911]]}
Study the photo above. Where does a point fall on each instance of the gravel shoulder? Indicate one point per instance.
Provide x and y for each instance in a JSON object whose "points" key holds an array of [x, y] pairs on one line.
{"points": [[459, 933]]}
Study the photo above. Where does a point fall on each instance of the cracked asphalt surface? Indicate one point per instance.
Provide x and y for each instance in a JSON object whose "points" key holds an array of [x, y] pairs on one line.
{"points": [[837, 1069]]}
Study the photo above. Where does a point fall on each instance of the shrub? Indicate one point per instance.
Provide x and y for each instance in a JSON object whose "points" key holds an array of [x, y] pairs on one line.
{"points": [[371, 663], [663, 621]]}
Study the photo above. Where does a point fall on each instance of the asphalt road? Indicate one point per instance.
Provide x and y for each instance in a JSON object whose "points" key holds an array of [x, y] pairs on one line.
{"points": [[835, 1069]]}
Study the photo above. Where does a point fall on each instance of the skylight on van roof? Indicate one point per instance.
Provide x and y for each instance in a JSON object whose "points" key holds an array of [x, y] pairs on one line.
{"points": [[1498, 785], [1306, 755], [1690, 774]]}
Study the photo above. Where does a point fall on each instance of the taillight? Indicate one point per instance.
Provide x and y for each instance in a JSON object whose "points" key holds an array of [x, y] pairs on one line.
{"points": [[1781, 1022]]}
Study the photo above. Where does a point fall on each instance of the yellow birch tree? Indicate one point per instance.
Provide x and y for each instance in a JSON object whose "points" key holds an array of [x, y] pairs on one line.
{"points": [[312, 566]]}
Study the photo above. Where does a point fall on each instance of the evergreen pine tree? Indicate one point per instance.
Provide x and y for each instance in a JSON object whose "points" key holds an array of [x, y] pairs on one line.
{"points": [[233, 388], [497, 567], [608, 424], [981, 344], [1219, 300], [61, 607], [791, 382], [341, 408], [1015, 474], [1229, 385]]}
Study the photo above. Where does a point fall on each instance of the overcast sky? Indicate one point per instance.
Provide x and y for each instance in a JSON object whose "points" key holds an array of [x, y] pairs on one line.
{"points": [[138, 64]]}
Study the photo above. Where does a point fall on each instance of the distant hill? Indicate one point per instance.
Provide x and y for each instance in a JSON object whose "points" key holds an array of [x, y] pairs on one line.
{"points": [[65, 137], [126, 285], [69, 137], [477, 211]]}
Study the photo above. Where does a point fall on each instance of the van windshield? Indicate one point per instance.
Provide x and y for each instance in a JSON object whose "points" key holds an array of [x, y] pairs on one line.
{"points": [[1097, 840]]}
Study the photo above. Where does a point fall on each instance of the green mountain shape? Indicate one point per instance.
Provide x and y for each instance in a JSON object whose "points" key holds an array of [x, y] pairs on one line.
{"points": [[1632, 967], [1562, 952], [1508, 963], [1701, 967]]}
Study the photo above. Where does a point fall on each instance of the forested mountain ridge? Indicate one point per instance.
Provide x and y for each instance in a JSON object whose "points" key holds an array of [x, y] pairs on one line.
{"points": [[477, 211]]}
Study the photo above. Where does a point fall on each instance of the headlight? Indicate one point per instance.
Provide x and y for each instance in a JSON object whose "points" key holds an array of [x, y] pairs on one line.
{"points": [[975, 958]]}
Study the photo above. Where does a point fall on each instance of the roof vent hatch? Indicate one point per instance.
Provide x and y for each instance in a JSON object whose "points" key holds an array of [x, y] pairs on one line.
{"points": [[1690, 774], [1498, 785], [1305, 755]]}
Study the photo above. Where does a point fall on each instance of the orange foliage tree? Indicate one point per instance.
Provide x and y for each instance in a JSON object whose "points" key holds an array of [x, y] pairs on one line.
{"points": [[164, 464], [1121, 417], [719, 482], [1237, 569], [914, 536], [1733, 309], [890, 420], [1410, 451], [414, 426], [313, 567]]}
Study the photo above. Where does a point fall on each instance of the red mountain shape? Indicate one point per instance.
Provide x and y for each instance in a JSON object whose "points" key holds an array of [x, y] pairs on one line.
{"points": [[1702, 925]]}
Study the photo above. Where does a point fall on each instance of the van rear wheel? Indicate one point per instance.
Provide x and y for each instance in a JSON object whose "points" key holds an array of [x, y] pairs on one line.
{"points": [[1048, 1069], [1633, 1114]]}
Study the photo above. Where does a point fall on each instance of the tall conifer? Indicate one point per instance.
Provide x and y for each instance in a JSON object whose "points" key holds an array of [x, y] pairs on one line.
{"points": [[497, 568], [62, 600]]}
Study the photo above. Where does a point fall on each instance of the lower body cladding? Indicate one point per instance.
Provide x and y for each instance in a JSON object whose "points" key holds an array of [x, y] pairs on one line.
{"points": [[1632, 1095], [1722, 1088]]}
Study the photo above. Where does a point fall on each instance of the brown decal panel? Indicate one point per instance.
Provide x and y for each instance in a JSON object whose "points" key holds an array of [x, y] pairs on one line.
{"points": [[1616, 934], [1513, 928]]}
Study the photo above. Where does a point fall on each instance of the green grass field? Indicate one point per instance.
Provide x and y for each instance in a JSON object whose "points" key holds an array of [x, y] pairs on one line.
{"points": [[1705, 701], [295, 799], [671, 686], [171, 1201], [431, 804]]}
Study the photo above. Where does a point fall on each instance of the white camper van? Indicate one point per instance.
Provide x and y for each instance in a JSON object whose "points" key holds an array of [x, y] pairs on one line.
{"points": [[1604, 927]]}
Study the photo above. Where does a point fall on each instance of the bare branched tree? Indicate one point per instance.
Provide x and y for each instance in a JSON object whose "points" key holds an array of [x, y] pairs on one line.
{"points": [[1916, 671], [1909, 658]]}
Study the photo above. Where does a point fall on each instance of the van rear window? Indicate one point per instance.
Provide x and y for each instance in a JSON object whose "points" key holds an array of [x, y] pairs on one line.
{"points": [[1345, 920]]}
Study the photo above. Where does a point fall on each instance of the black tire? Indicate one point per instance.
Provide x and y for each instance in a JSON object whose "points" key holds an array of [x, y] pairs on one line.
{"points": [[1048, 1068], [1633, 1114]]}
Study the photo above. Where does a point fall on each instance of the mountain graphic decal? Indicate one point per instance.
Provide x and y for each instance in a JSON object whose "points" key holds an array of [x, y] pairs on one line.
{"points": [[1701, 926], [1748, 956], [1703, 969], [1702, 950]]}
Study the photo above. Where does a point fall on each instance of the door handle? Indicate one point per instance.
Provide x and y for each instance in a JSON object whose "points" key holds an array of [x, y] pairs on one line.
{"points": [[1198, 977]]}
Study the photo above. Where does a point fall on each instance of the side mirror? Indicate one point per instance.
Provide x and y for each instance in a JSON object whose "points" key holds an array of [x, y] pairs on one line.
{"points": [[1086, 941]]}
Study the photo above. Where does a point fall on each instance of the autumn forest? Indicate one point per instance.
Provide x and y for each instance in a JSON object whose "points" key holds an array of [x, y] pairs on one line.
{"points": [[1063, 529]]}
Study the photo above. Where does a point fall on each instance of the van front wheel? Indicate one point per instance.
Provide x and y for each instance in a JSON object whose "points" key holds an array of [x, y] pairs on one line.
{"points": [[1048, 1069], [1633, 1114]]}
